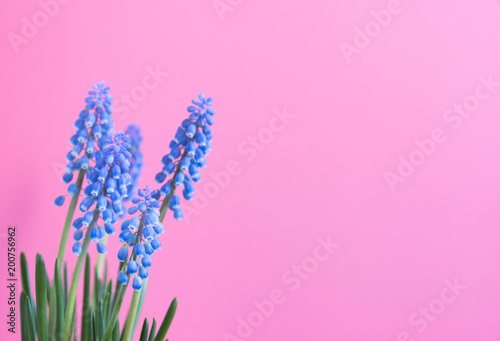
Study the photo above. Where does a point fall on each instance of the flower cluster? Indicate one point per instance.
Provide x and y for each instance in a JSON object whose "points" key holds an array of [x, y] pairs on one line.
{"points": [[188, 149], [94, 127], [136, 162], [141, 234], [107, 187]]}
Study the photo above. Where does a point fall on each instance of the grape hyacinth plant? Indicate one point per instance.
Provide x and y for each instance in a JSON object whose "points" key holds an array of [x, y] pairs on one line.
{"points": [[188, 150], [93, 126], [108, 165], [140, 233]]}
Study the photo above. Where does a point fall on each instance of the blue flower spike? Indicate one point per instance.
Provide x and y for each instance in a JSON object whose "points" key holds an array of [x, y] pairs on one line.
{"points": [[140, 233], [188, 151], [136, 161], [94, 127], [101, 205]]}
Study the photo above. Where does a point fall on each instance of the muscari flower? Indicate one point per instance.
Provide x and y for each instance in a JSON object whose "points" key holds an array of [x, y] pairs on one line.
{"points": [[106, 189], [140, 234], [188, 150], [93, 133], [136, 162]]}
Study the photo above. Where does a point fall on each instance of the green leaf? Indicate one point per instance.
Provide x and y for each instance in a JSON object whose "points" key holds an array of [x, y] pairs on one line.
{"points": [[91, 326], [105, 310], [41, 298], [144, 331], [65, 283], [73, 325], [59, 301], [25, 279], [116, 332], [30, 321], [52, 313], [141, 303], [152, 333], [85, 334], [99, 321], [107, 303], [24, 318], [167, 321], [47, 286], [97, 288]]}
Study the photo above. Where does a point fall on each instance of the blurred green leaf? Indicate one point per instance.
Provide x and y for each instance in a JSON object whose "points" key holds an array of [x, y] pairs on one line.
{"points": [[106, 306], [25, 279], [65, 283], [144, 331], [116, 332], [52, 313], [47, 286], [91, 326], [24, 319], [85, 324], [167, 321], [97, 288], [73, 324], [99, 321], [30, 321], [59, 300], [152, 333], [41, 298]]}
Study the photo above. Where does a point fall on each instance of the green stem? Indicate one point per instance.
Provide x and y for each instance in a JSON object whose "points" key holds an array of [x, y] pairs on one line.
{"points": [[69, 217], [114, 315], [127, 334], [70, 306], [166, 200]]}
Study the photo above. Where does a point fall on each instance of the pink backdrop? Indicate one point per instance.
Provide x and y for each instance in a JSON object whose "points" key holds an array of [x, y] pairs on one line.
{"points": [[318, 106]]}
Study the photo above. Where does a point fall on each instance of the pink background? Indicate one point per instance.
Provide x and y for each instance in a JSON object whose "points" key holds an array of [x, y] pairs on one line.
{"points": [[322, 175]]}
